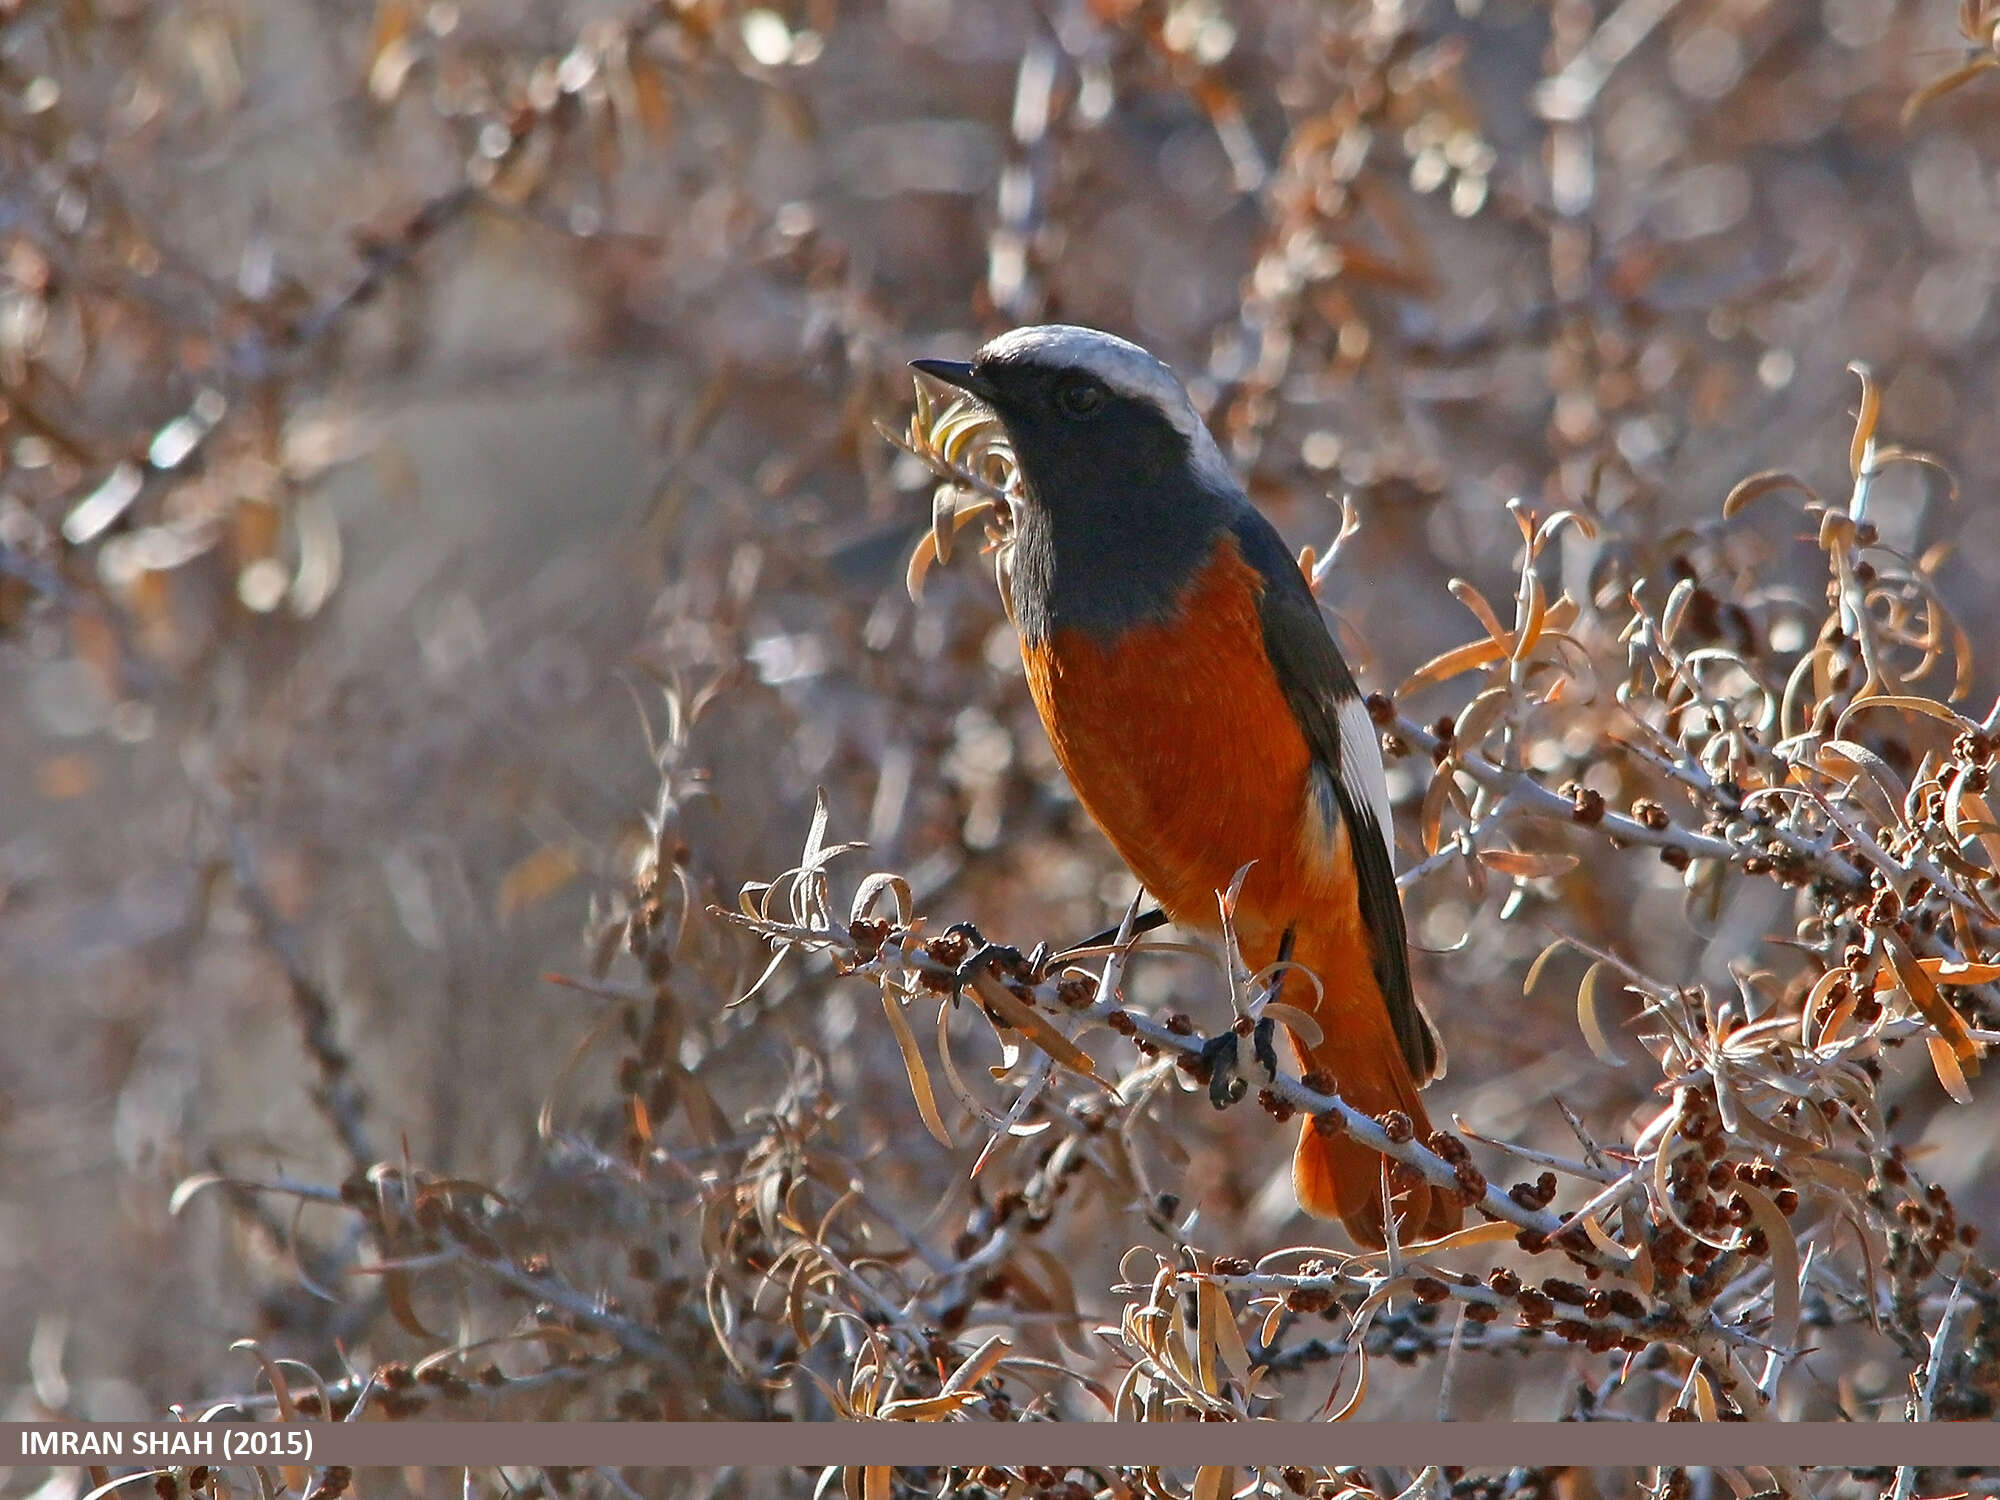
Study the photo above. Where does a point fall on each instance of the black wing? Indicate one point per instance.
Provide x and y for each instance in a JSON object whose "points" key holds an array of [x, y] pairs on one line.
{"points": [[1346, 748]]}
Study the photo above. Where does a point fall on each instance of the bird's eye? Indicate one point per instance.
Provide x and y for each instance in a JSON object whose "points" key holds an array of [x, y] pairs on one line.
{"points": [[1079, 398]]}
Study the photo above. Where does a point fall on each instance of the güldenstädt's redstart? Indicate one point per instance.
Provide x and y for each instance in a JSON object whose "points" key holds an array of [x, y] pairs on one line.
{"points": [[1207, 720]]}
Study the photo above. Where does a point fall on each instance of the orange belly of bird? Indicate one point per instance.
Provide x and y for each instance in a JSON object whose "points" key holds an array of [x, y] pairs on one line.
{"points": [[1181, 746]]}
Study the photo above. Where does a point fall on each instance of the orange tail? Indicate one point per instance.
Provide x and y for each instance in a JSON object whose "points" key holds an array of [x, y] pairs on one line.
{"points": [[1336, 1177]]}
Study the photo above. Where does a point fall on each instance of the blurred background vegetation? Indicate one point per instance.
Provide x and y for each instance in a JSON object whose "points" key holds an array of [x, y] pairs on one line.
{"points": [[399, 401]]}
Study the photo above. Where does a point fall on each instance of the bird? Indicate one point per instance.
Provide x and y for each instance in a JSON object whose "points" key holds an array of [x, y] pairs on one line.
{"points": [[1207, 721]]}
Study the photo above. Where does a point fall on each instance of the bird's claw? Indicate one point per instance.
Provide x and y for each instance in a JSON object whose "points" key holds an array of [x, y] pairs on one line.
{"points": [[1264, 1040], [983, 954], [1264, 1045], [1218, 1057]]}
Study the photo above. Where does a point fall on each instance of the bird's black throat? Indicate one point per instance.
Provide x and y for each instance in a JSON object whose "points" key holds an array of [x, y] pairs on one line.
{"points": [[1106, 540]]}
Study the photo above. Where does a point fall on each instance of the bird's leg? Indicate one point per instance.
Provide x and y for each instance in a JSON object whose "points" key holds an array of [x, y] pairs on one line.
{"points": [[1264, 1040], [1145, 922], [975, 948], [1264, 1043], [1285, 946]]}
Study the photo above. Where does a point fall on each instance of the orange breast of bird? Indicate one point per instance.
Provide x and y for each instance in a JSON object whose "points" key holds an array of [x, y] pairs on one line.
{"points": [[1179, 742], [1181, 746]]}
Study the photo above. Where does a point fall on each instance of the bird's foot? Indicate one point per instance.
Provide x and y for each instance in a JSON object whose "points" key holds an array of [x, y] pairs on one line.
{"points": [[1218, 1062], [1264, 1044], [981, 954], [1264, 1039]]}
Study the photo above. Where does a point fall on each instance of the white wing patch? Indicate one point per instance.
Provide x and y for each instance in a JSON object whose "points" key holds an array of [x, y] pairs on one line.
{"points": [[1361, 770], [1125, 368]]}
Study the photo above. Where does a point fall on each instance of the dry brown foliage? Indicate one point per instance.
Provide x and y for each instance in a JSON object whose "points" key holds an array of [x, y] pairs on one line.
{"points": [[392, 395]]}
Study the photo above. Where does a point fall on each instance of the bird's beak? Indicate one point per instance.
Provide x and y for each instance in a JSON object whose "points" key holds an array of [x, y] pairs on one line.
{"points": [[957, 373]]}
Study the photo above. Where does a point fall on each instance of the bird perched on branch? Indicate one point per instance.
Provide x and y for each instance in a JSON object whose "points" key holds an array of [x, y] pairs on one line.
{"points": [[1207, 720]]}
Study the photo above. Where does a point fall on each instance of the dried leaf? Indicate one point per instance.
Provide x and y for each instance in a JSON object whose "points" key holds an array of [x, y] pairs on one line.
{"points": [[396, 1290], [1546, 532], [1301, 1025], [1663, 1160], [1945, 971], [927, 552], [1865, 421], [1937, 88], [1587, 1018], [1949, 1074], [1201, 1339], [1481, 717], [1677, 603], [944, 521], [1961, 648], [1493, 1232], [1524, 864], [1440, 794], [955, 1080], [978, 1365], [1865, 772], [913, 1064], [1353, 1402], [926, 1408], [1923, 993], [1929, 708], [281, 1390], [1273, 1320], [1785, 1265], [534, 879], [1033, 1025], [706, 1121], [1601, 1238], [870, 892], [1555, 946], [1235, 1354], [1449, 664], [1468, 594], [189, 1188], [1703, 1396], [545, 1120], [1759, 485], [1822, 988], [1969, 810], [390, 54], [1537, 615], [1125, 1408], [1062, 1299], [795, 1300]]}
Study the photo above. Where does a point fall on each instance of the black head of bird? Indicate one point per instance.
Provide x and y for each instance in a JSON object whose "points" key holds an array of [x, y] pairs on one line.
{"points": [[1123, 488]]}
